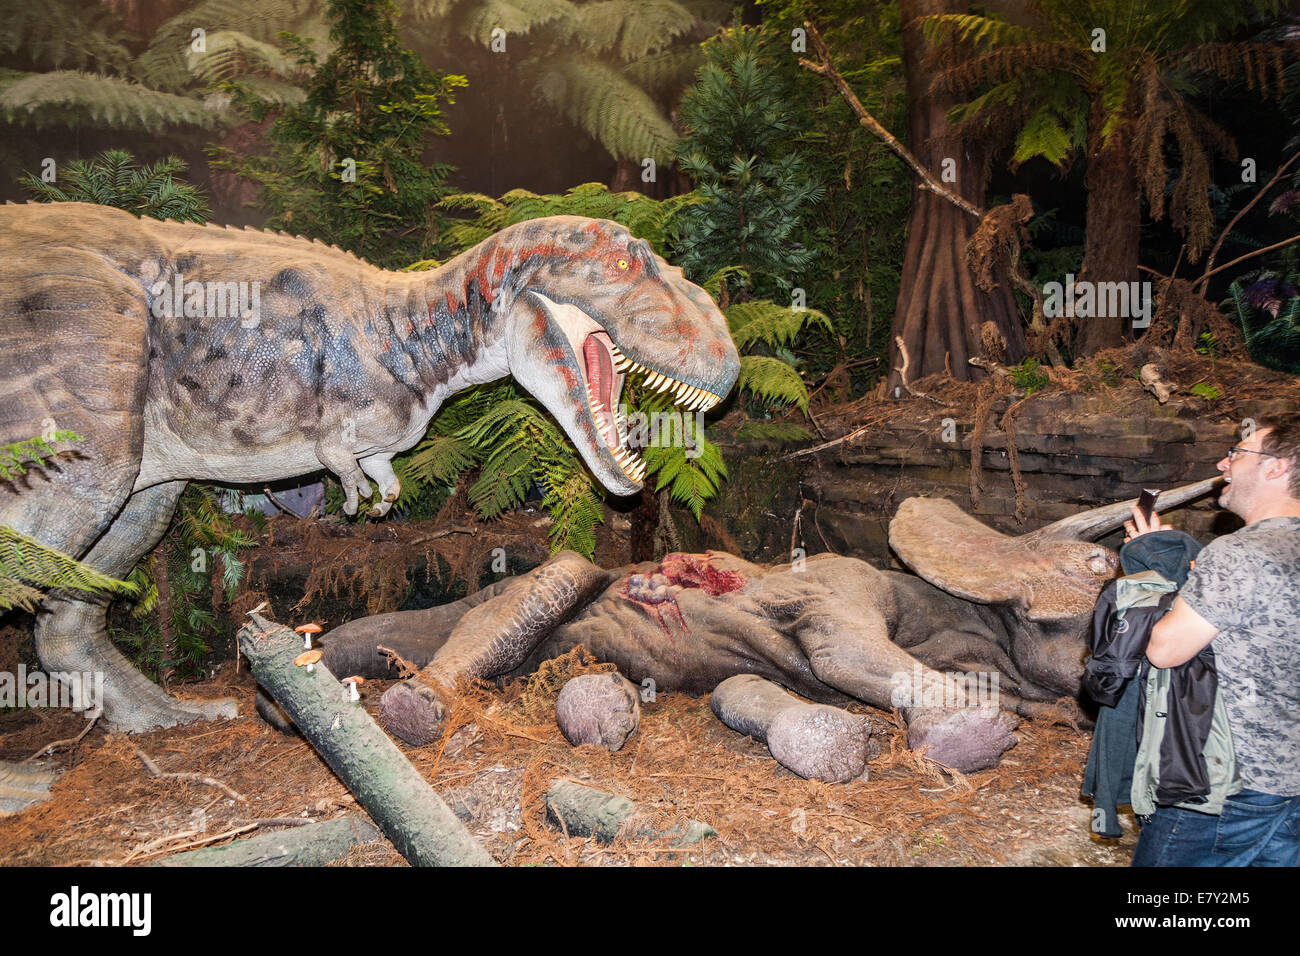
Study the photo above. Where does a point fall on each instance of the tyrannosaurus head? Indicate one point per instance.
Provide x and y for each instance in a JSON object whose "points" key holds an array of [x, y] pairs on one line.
{"points": [[591, 303]]}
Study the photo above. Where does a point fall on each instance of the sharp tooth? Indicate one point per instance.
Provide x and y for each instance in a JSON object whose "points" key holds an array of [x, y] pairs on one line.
{"points": [[665, 385]]}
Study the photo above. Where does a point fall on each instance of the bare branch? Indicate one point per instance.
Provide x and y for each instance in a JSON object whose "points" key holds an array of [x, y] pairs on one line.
{"points": [[827, 69]]}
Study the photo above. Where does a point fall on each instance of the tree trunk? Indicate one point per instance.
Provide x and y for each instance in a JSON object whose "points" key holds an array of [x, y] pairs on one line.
{"points": [[1114, 222], [940, 309]]}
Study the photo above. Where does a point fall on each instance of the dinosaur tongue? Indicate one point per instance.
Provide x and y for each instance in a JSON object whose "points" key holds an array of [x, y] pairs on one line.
{"points": [[600, 370]]}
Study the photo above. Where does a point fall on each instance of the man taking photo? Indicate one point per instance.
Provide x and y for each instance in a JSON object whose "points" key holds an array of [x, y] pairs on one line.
{"points": [[1244, 596]]}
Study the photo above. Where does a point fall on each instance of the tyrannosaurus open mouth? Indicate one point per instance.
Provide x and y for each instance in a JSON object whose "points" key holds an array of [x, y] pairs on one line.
{"points": [[605, 367]]}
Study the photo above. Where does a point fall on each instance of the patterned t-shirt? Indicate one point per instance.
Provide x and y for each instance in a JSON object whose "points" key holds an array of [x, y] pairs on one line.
{"points": [[1247, 585]]}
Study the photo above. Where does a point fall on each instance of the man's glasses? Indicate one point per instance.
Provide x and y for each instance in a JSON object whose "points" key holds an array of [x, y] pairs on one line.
{"points": [[1234, 452]]}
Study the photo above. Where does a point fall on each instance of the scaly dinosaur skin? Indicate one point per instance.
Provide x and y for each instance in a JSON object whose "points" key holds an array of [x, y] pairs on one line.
{"points": [[340, 366]]}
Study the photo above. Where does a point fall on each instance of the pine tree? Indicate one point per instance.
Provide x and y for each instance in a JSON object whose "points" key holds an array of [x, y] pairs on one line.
{"points": [[739, 148], [346, 165]]}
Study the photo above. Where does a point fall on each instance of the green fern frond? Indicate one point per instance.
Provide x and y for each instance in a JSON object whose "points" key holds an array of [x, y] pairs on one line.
{"points": [[982, 32], [610, 108], [70, 34], [762, 320], [713, 284], [576, 510], [690, 479], [15, 594], [515, 17], [773, 380], [72, 98], [441, 459], [774, 434], [1043, 135], [165, 66], [231, 53], [632, 28], [28, 560], [16, 458], [665, 70]]}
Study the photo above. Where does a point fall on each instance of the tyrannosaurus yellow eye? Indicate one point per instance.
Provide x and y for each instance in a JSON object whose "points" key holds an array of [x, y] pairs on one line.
{"points": [[622, 263]]}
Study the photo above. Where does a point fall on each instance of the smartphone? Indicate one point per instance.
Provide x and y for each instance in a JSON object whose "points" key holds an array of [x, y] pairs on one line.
{"points": [[1147, 502]]}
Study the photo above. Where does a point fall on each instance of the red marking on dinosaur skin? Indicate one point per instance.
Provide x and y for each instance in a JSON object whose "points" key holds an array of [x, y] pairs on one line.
{"points": [[452, 305], [692, 571], [557, 358], [502, 263], [656, 599], [410, 326], [654, 591]]}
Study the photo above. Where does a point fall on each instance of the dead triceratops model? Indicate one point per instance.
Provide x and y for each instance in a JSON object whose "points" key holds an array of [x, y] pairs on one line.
{"points": [[183, 352], [830, 628]]}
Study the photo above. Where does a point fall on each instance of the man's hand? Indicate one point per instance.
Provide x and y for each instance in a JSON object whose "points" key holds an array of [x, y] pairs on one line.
{"points": [[1179, 636], [1141, 525]]}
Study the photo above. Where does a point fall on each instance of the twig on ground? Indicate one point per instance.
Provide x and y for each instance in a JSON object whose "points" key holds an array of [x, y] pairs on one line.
{"points": [[73, 741], [185, 775]]}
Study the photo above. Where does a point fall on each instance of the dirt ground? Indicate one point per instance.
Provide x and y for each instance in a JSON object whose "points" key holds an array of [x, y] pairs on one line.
{"points": [[503, 751]]}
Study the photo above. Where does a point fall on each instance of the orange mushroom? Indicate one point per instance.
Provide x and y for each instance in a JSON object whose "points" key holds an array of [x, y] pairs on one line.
{"points": [[353, 683], [307, 630], [308, 659]]}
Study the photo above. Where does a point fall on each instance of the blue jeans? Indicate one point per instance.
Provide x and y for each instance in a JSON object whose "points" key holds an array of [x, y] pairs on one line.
{"points": [[1255, 829]]}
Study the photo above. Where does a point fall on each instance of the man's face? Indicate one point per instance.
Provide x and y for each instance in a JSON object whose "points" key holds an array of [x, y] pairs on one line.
{"points": [[1244, 475]]}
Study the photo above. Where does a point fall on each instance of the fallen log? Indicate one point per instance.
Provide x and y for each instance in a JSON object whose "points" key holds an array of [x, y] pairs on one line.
{"points": [[585, 811], [314, 844], [398, 799]]}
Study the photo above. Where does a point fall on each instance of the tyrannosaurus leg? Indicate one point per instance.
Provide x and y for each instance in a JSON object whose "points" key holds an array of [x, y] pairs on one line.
{"points": [[491, 639], [71, 633]]}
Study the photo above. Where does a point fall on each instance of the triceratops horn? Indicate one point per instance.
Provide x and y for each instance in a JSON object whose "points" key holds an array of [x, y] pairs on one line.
{"points": [[1097, 522]]}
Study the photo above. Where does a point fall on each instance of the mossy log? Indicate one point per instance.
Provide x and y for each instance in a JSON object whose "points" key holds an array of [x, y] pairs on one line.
{"points": [[313, 844], [398, 799], [586, 811]]}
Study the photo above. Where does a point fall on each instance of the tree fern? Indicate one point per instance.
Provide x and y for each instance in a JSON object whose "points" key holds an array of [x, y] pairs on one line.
{"points": [[65, 34], [72, 98], [516, 17], [612, 110], [168, 62], [631, 30]]}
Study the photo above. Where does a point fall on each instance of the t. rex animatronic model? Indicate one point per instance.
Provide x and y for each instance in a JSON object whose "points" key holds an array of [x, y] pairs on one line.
{"points": [[186, 352], [830, 628]]}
